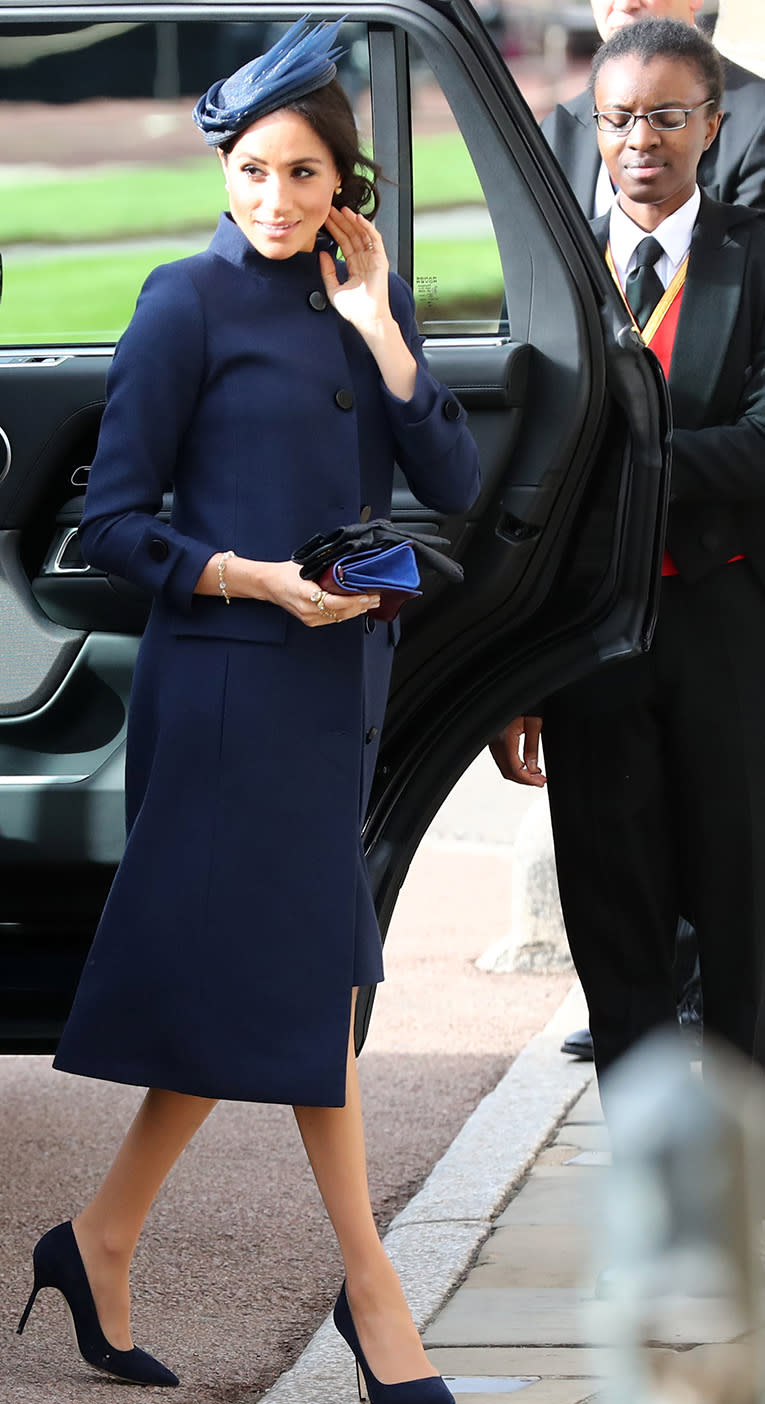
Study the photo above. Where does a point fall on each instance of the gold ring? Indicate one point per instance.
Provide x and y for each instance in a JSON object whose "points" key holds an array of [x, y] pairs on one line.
{"points": [[370, 246], [316, 596]]}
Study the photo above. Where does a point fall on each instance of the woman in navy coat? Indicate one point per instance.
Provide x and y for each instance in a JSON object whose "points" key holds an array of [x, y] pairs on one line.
{"points": [[273, 389]]}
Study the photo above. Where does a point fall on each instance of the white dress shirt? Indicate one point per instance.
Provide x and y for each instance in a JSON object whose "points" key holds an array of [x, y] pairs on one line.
{"points": [[674, 234]]}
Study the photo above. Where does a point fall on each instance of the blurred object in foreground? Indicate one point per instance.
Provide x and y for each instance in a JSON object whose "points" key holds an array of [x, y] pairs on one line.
{"points": [[740, 34], [681, 1217]]}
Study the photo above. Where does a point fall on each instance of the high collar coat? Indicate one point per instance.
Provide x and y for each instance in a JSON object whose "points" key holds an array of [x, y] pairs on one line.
{"points": [[241, 916]]}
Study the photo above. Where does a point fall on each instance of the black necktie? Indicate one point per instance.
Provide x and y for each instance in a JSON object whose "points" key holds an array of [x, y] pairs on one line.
{"points": [[644, 286]]}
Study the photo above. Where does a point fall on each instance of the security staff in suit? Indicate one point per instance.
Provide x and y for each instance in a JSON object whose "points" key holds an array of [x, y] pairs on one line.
{"points": [[732, 169], [656, 766]]}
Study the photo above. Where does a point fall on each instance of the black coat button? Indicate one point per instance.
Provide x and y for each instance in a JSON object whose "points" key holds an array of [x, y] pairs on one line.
{"points": [[344, 399], [158, 549], [317, 300], [365, 513], [369, 624], [451, 409], [371, 734], [710, 540]]}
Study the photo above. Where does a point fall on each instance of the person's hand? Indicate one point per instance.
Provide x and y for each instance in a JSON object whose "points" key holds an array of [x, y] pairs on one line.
{"points": [[514, 763], [282, 584], [363, 298]]}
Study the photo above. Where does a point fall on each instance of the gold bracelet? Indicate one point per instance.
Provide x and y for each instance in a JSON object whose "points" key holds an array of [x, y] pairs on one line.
{"points": [[222, 575]]}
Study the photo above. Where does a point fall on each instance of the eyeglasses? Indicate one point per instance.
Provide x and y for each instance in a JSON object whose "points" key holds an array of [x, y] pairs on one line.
{"points": [[662, 119]]}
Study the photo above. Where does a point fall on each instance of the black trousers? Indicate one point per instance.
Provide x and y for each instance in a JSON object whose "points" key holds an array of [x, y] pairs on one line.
{"points": [[656, 776]]}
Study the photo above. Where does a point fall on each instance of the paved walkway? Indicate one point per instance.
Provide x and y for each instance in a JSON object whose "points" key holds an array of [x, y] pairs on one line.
{"points": [[502, 1233]]}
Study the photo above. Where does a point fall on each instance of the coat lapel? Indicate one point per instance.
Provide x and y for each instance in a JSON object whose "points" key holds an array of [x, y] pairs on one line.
{"points": [[708, 313], [582, 158]]}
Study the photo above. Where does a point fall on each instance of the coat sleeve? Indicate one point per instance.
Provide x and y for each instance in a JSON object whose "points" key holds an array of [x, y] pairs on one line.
{"points": [[152, 390], [434, 446]]}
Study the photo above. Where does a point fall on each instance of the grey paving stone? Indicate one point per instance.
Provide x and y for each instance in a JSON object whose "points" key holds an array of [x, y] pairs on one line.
{"points": [[512, 1316], [551, 1362], [534, 1255], [531, 1392], [590, 1158], [584, 1135], [588, 1108], [567, 1316], [554, 1196]]}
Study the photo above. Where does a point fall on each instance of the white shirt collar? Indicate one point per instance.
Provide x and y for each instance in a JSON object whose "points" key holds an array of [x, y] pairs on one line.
{"points": [[674, 234]]}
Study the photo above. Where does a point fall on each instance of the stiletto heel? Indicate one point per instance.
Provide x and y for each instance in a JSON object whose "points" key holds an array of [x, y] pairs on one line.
{"points": [[57, 1263], [27, 1309], [430, 1390]]}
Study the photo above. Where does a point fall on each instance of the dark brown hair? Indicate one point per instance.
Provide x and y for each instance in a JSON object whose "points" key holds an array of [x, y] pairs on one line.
{"points": [[329, 113]]}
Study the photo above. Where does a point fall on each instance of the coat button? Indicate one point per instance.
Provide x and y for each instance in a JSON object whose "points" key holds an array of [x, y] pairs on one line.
{"points": [[344, 399], [369, 624], [365, 513], [371, 734], [317, 301], [158, 549], [451, 409], [710, 540]]}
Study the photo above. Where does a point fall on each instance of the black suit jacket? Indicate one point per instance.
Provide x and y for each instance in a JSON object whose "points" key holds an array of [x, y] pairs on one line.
{"points": [[733, 169], [717, 389]]}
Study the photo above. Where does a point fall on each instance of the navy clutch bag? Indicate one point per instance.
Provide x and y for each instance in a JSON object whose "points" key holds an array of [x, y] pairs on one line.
{"points": [[374, 557]]}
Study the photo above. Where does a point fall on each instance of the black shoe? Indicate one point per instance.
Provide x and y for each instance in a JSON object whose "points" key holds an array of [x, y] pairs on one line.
{"points": [[57, 1263], [430, 1390], [579, 1045]]}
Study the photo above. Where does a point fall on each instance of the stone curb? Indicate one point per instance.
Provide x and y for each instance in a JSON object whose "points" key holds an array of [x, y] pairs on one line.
{"points": [[436, 1236]]}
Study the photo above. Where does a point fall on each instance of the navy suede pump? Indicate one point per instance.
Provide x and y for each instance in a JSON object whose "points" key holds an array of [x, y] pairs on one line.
{"points": [[430, 1390], [57, 1263]]}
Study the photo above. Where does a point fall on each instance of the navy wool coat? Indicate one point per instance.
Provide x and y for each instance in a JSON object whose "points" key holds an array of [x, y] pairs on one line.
{"points": [[241, 917]]}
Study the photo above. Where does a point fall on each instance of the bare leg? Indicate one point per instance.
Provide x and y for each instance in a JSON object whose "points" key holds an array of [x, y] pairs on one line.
{"points": [[334, 1140], [107, 1230]]}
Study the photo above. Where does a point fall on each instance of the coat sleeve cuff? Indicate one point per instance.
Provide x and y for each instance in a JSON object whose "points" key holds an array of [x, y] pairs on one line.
{"points": [[432, 410], [169, 564]]}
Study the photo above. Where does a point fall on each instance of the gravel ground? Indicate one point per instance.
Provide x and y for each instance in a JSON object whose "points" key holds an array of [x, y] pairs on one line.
{"points": [[238, 1265]]}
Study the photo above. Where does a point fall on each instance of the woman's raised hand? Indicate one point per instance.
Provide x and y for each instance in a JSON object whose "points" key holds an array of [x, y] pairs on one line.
{"points": [[363, 298], [283, 585]]}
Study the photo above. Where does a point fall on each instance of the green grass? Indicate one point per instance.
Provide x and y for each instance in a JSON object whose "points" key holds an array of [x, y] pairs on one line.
{"points": [[444, 174], [75, 299], [90, 297], [132, 201]]}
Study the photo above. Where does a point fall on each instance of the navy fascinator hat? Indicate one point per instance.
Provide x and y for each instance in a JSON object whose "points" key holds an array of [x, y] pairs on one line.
{"points": [[299, 63]]}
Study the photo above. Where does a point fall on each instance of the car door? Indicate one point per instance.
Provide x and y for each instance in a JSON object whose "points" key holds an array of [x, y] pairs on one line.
{"points": [[560, 552]]}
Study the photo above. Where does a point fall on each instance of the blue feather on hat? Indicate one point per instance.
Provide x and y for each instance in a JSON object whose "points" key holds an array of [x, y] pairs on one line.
{"points": [[298, 63]]}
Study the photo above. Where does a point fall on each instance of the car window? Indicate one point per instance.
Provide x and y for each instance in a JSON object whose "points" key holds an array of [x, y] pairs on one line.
{"points": [[458, 284], [104, 174]]}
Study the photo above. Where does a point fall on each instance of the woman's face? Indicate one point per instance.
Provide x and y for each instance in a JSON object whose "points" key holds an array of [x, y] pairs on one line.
{"points": [[280, 178]]}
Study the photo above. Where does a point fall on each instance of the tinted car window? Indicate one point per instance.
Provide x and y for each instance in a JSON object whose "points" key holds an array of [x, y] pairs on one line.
{"points": [[458, 284]]}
